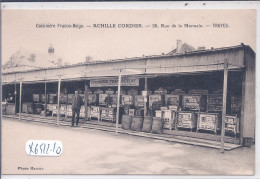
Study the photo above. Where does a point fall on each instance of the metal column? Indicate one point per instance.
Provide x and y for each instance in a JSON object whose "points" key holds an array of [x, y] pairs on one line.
{"points": [[224, 104]]}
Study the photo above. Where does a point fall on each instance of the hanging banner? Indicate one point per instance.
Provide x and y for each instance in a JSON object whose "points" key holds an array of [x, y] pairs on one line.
{"points": [[126, 81]]}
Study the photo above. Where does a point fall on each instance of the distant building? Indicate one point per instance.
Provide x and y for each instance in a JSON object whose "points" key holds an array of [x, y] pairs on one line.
{"points": [[23, 60], [181, 48]]}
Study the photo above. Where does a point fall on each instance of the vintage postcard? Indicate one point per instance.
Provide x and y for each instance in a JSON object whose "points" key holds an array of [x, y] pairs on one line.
{"points": [[128, 91]]}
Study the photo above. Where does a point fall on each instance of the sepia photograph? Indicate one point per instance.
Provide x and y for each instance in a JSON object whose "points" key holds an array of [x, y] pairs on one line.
{"points": [[128, 91]]}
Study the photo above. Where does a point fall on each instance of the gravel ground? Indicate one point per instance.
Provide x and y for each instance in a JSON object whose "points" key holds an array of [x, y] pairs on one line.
{"points": [[88, 151]]}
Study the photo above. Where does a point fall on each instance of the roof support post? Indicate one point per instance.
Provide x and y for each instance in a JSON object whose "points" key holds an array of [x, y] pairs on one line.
{"points": [[20, 100], [86, 102], [15, 97], [145, 100], [58, 112], [241, 121], [224, 104], [118, 101], [45, 93]]}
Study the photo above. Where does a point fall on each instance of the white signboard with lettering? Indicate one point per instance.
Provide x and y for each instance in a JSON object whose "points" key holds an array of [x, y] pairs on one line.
{"points": [[128, 81]]}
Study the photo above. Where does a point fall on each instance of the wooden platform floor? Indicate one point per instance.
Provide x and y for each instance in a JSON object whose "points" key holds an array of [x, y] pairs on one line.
{"points": [[185, 137]]}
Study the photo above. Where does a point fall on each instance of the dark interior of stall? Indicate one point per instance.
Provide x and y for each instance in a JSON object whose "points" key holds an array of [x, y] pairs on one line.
{"points": [[212, 82], [209, 81]]}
